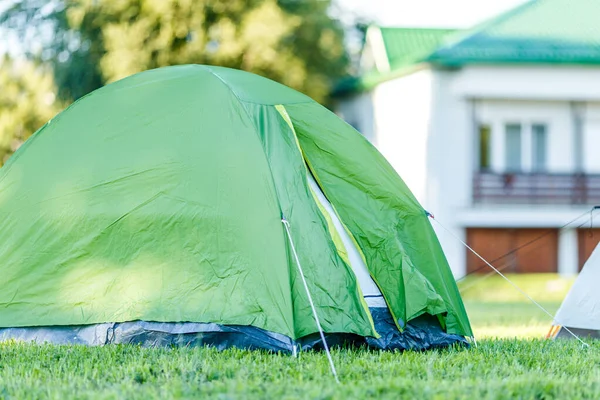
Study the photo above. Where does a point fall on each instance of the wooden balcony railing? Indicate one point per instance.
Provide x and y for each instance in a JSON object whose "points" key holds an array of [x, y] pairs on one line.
{"points": [[524, 188]]}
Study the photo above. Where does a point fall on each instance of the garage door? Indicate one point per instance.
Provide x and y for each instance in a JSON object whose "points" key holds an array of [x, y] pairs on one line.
{"points": [[587, 239], [539, 252]]}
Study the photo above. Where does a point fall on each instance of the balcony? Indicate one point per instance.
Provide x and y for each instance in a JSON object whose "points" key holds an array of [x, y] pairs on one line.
{"points": [[530, 188]]}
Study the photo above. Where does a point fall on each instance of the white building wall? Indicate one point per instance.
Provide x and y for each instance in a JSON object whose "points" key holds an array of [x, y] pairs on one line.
{"points": [[425, 125], [402, 110], [357, 110], [450, 163], [591, 138], [498, 95], [568, 252], [532, 82]]}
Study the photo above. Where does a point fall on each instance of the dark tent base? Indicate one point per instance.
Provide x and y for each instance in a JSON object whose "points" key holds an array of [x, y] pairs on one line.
{"points": [[423, 333], [582, 333]]}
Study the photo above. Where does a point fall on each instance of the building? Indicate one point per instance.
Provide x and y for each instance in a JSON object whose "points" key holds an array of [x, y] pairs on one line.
{"points": [[496, 129]]}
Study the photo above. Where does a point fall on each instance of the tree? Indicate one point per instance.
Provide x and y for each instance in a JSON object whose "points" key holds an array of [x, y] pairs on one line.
{"points": [[92, 42], [27, 101]]}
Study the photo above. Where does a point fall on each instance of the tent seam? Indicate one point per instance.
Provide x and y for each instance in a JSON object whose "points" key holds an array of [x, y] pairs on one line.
{"points": [[284, 114], [238, 97], [266, 158]]}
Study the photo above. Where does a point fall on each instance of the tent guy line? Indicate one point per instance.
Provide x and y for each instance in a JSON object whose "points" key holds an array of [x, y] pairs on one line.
{"points": [[580, 309], [192, 267], [477, 281], [592, 216], [508, 280], [286, 224], [590, 211]]}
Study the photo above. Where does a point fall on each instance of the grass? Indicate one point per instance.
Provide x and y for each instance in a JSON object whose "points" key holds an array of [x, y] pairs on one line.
{"points": [[497, 310], [497, 368]]}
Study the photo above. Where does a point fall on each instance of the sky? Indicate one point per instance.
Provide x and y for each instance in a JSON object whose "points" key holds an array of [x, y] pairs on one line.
{"points": [[428, 13], [410, 13]]}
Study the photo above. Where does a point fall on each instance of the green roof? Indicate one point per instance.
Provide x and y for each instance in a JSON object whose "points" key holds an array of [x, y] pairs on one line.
{"points": [[405, 48], [406, 45], [539, 31]]}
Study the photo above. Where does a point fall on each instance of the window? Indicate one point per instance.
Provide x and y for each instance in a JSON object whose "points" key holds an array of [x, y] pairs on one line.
{"points": [[485, 137], [539, 147], [513, 147]]}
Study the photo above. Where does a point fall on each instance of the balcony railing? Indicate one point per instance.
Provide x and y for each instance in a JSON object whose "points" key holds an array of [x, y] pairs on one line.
{"points": [[524, 188]]}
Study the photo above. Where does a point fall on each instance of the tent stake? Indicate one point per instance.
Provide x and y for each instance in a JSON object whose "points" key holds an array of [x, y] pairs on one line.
{"points": [[286, 224]]}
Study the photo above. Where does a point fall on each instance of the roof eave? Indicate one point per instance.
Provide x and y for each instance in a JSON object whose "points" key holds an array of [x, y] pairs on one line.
{"points": [[370, 81], [457, 62]]}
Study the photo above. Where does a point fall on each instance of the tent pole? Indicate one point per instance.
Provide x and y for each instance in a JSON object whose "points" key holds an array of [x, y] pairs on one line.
{"points": [[286, 224]]}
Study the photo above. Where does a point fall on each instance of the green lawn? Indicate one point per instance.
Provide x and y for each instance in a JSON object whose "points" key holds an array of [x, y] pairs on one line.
{"points": [[497, 310], [522, 368]]}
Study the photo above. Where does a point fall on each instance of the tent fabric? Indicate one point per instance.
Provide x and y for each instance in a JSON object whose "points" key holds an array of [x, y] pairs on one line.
{"points": [[390, 226], [166, 201], [581, 307], [154, 334], [369, 289], [562, 333], [423, 333]]}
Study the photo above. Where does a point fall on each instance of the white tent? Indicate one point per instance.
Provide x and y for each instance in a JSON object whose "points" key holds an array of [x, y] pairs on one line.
{"points": [[580, 311]]}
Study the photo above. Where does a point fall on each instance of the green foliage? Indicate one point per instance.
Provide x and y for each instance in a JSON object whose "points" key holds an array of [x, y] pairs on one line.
{"points": [[27, 101], [88, 43], [93, 42]]}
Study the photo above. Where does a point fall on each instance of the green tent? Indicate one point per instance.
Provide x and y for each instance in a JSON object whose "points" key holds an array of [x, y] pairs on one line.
{"points": [[155, 210]]}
